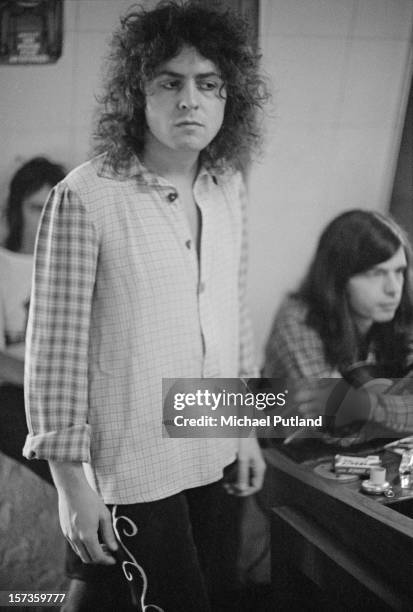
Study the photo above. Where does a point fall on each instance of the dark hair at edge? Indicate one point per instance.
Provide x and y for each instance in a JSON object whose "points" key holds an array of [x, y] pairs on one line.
{"points": [[352, 243], [145, 40], [29, 178]]}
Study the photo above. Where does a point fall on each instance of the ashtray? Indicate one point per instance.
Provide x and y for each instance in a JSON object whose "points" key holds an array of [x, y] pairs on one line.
{"points": [[326, 470], [374, 489]]}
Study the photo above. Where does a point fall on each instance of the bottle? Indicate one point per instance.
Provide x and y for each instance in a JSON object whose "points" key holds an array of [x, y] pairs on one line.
{"points": [[406, 468]]}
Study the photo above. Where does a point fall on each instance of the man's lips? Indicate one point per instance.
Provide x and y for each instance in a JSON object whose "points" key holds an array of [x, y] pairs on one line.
{"points": [[189, 122]]}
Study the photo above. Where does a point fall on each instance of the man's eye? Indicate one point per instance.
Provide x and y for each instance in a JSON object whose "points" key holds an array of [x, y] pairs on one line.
{"points": [[373, 272], [208, 85], [170, 84]]}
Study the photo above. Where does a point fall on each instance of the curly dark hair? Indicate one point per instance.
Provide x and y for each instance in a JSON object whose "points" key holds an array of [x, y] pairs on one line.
{"points": [[29, 178], [145, 40], [354, 242]]}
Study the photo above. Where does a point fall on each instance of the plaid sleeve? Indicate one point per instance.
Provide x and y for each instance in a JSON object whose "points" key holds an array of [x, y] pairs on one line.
{"points": [[394, 412], [295, 350], [247, 364], [56, 365]]}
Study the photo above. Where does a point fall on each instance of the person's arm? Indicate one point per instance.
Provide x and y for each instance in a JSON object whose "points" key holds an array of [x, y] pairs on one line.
{"points": [[56, 383], [57, 340], [83, 515], [11, 369], [393, 408], [395, 412], [378, 414], [249, 469]]}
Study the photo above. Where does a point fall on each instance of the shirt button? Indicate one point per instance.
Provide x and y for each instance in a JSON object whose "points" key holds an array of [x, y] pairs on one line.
{"points": [[188, 244], [172, 196], [201, 288]]}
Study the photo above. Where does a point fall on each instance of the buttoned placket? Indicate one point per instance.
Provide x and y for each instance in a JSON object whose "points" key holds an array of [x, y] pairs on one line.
{"points": [[169, 195], [170, 203], [199, 266]]}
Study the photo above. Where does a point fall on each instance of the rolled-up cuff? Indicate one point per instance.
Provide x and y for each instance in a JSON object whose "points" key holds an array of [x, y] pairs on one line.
{"points": [[69, 444]]}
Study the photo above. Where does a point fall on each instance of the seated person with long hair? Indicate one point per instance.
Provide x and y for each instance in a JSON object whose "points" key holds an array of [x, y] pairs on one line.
{"points": [[28, 192], [353, 306]]}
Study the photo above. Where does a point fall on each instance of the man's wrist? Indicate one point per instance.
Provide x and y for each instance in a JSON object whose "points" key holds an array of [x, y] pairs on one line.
{"points": [[67, 475]]}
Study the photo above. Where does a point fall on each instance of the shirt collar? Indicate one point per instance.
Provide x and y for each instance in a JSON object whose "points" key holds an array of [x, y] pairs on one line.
{"points": [[133, 167]]}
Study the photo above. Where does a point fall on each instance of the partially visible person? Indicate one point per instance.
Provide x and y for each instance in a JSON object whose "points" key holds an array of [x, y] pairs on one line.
{"points": [[354, 305], [28, 192]]}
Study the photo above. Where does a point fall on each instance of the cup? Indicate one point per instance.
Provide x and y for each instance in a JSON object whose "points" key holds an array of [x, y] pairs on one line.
{"points": [[378, 475]]}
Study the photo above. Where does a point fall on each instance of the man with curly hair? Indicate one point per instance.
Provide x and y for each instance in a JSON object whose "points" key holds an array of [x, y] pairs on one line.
{"points": [[139, 276]]}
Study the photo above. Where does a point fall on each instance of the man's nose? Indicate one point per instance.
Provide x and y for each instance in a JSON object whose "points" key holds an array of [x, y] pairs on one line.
{"points": [[188, 98], [392, 284]]}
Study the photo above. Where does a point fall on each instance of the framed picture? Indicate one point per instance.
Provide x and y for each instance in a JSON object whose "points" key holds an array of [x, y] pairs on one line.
{"points": [[30, 31]]}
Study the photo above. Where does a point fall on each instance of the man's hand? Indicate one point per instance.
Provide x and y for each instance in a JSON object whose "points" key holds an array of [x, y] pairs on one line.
{"points": [[83, 515], [249, 470]]}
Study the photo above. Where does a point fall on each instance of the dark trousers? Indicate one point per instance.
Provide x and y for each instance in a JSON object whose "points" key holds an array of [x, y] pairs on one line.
{"points": [[177, 554]]}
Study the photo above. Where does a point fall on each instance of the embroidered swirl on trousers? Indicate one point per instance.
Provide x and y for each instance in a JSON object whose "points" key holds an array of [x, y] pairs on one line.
{"points": [[130, 530]]}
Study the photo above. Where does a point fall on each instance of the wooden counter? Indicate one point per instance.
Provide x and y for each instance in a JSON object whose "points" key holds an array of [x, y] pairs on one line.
{"points": [[354, 548]]}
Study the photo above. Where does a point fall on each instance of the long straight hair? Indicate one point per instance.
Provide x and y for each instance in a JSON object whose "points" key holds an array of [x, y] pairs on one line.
{"points": [[352, 243]]}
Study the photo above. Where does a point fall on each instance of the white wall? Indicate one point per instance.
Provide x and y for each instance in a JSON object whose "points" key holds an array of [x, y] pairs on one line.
{"points": [[47, 109], [340, 74], [339, 70]]}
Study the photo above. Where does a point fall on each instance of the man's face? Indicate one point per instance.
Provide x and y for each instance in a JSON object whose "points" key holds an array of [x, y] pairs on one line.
{"points": [[185, 103], [375, 295]]}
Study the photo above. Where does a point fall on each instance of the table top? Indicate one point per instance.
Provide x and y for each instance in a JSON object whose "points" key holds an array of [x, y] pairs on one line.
{"points": [[279, 457]]}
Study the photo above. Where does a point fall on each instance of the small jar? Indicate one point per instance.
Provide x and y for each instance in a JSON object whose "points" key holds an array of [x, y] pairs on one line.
{"points": [[406, 468]]}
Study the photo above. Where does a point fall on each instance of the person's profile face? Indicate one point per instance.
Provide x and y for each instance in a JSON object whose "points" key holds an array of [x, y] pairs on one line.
{"points": [[185, 103], [374, 295], [32, 206]]}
